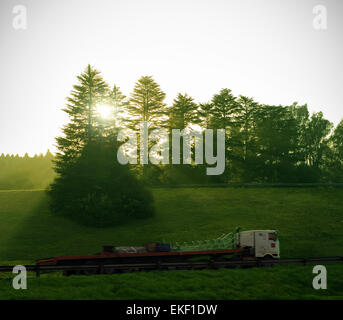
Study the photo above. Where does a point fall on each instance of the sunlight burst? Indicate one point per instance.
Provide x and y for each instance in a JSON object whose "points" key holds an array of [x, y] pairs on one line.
{"points": [[105, 111]]}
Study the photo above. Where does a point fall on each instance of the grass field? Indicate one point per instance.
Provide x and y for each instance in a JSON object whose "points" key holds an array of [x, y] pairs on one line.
{"points": [[310, 224]]}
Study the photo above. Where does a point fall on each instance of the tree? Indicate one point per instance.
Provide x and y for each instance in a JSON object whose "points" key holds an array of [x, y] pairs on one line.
{"points": [[183, 112], [316, 134], [337, 140], [98, 191], [276, 141], [223, 112], [204, 114], [246, 121], [243, 140], [111, 114], [301, 115], [82, 128], [120, 103], [25, 172], [334, 155], [92, 187], [224, 108], [146, 103]]}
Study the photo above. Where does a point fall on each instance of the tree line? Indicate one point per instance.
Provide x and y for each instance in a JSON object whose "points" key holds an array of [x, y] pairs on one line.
{"points": [[25, 172], [264, 143]]}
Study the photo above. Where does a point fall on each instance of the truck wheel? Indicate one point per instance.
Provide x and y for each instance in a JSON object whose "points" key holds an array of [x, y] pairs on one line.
{"points": [[268, 257]]}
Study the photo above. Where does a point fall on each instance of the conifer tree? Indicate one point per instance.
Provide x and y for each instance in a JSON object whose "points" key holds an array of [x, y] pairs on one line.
{"points": [[120, 103], [183, 112], [92, 187], [205, 114], [82, 128], [224, 109], [146, 103]]}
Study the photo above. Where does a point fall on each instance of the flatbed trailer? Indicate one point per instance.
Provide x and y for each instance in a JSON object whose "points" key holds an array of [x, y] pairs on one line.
{"points": [[108, 263], [108, 257], [243, 246]]}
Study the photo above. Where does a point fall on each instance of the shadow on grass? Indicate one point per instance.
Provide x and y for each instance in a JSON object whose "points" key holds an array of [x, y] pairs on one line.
{"points": [[30, 231]]}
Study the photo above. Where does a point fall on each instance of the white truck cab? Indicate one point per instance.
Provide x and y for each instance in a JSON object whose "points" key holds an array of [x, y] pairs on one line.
{"points": [[260, 243]]}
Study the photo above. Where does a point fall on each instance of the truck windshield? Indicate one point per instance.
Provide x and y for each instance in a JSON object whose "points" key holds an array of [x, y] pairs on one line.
{"points": [[272, 236]]}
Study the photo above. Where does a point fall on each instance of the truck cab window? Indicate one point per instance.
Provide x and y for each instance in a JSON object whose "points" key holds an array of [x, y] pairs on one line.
{"points": [[272, 236]]}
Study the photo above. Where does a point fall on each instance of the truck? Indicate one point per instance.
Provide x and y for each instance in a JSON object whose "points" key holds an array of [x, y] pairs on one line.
{"points": [[237, 245], [260, 243]]}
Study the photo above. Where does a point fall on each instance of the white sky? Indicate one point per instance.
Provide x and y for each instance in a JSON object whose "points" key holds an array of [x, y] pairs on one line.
{"points": [[266, 49]]}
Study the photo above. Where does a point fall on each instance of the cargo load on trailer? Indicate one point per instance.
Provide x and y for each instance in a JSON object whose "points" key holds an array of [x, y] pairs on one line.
{"points": [[241, 245]]}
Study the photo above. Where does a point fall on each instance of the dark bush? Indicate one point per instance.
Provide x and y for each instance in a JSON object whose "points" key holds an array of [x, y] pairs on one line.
{"points": [[98, 191]]}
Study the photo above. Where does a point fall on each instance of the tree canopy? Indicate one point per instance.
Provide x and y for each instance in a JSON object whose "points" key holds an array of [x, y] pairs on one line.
{"points": [[264, 143]]}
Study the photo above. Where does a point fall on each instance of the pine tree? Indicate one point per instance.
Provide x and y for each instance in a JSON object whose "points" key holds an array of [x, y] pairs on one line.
{"points": [[205, 115], [82, 128], [243, 139], [92, 187], [223, 111], [276, 137], [120, 103], [146, 103], [183, 112], [111, 114], [224, 108]]}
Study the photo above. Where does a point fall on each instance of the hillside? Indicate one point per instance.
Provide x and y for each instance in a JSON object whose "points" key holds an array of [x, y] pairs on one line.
{"points": [[310, 223]]}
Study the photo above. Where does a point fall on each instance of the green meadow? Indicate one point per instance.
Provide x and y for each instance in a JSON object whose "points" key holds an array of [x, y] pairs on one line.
{"points": [[309, 221]]}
